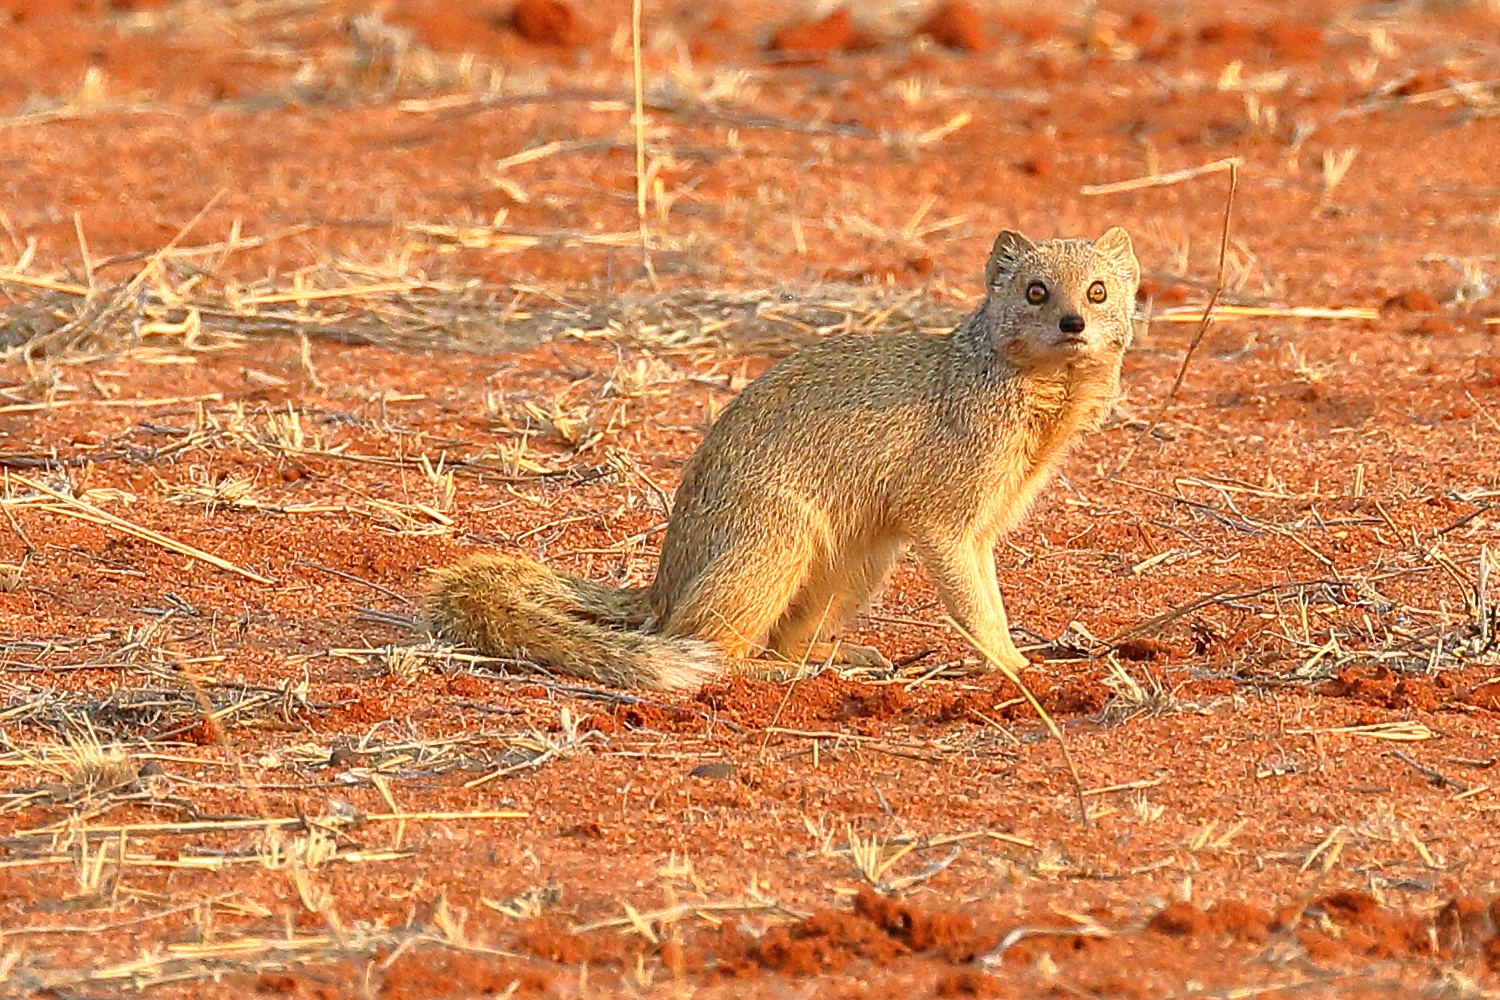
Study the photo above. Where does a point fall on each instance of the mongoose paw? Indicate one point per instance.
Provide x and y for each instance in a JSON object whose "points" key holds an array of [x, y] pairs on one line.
{"points": [[844, 654], [771, 671], [1012, 660], [853, 655]]}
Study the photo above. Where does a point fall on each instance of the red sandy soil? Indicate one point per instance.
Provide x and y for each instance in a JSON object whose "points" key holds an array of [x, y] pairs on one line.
{"points": [[1245, 835]]}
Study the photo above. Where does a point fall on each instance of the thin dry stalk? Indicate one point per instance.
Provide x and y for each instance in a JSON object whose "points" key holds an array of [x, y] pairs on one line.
{"points": [[10, 277], [1132, 698], [1163, 180], [1192, 314], [78, 330], [61, 404], [1036, 705], [85, 767], [869, 856], [639, 85], [74, 507], [532, 751], [274, 822], [1203, 324], [672, 914]]}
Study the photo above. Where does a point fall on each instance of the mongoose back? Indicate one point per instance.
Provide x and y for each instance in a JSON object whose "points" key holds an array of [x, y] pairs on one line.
{"points": [[822, 472]]}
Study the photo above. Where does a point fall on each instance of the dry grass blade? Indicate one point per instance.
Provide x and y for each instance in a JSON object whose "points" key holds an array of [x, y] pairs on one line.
{"points": [[16, 278], [1162, 180], [1203, 324], [83, 765], [869, 856], [88, 512], [1403, 731], [503, 241], [1124, 786], [275, 822], [1132, 698], [80, 328], [537, 748], [1193, 314], [638, 84], [61, 404], [675, 914], [1085, 929], [311, 294], [1036, 705]]}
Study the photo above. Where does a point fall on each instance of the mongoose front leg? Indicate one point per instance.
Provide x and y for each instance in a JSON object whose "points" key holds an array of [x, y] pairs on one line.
{"points": [[964, 571]]}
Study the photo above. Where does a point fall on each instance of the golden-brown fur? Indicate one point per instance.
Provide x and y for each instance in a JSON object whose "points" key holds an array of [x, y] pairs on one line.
{"points": [[811, 484]]}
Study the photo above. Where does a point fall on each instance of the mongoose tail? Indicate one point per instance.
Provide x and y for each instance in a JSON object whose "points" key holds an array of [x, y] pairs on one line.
{"points": [[515, 608]]}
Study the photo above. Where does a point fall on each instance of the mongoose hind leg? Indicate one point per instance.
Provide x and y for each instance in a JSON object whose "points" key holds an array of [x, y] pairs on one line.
{"points": [[849, 654], [772, 670], [737, 599], [964, 571], [832, 595]]}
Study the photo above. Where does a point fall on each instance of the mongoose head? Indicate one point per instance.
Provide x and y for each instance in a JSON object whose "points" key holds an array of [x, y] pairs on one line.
{"points": [[1059, 303]]}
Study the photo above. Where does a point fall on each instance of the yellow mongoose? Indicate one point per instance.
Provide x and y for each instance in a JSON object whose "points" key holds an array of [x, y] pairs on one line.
{"points": [[812, 482]]}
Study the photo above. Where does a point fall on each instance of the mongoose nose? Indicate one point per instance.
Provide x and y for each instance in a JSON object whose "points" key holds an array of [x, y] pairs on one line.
{"points": [[1070, 323]]}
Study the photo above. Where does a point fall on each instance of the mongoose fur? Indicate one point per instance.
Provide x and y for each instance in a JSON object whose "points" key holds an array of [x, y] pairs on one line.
{"points": [[822, 472]]}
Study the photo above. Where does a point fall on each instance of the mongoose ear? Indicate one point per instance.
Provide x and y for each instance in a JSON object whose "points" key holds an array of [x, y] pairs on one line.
{"points": [[1115, 244], [1009, 246]]}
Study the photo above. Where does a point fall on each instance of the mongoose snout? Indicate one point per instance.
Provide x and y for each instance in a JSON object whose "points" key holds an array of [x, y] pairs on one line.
{"points": [[1071, 323]]}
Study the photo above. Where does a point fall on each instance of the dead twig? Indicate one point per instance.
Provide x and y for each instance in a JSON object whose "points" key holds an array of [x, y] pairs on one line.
{"points": [[1436, 777], [74, 507], [1052, 727], [1163, 180], [1203, 324], [1157, 622]]}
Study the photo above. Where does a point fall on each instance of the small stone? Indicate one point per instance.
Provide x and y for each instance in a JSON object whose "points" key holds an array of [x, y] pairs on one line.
{"points": [[342, 757], [834, 33], [1415, 300], [714, 769], [956, 25], [547, 22]]}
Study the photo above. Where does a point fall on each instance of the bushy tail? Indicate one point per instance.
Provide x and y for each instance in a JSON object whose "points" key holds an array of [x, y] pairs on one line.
{"points": [[516, 608]]}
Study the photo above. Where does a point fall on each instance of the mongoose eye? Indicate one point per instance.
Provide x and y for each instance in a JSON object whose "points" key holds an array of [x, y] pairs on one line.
{"points": [[1097, 292], [1036, 293]]}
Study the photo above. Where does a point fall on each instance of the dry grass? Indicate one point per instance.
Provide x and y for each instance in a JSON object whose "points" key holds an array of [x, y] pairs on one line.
{"points": [[81, 767], [78, 778], [80, 754], [1131, 698], [173, 305]]}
